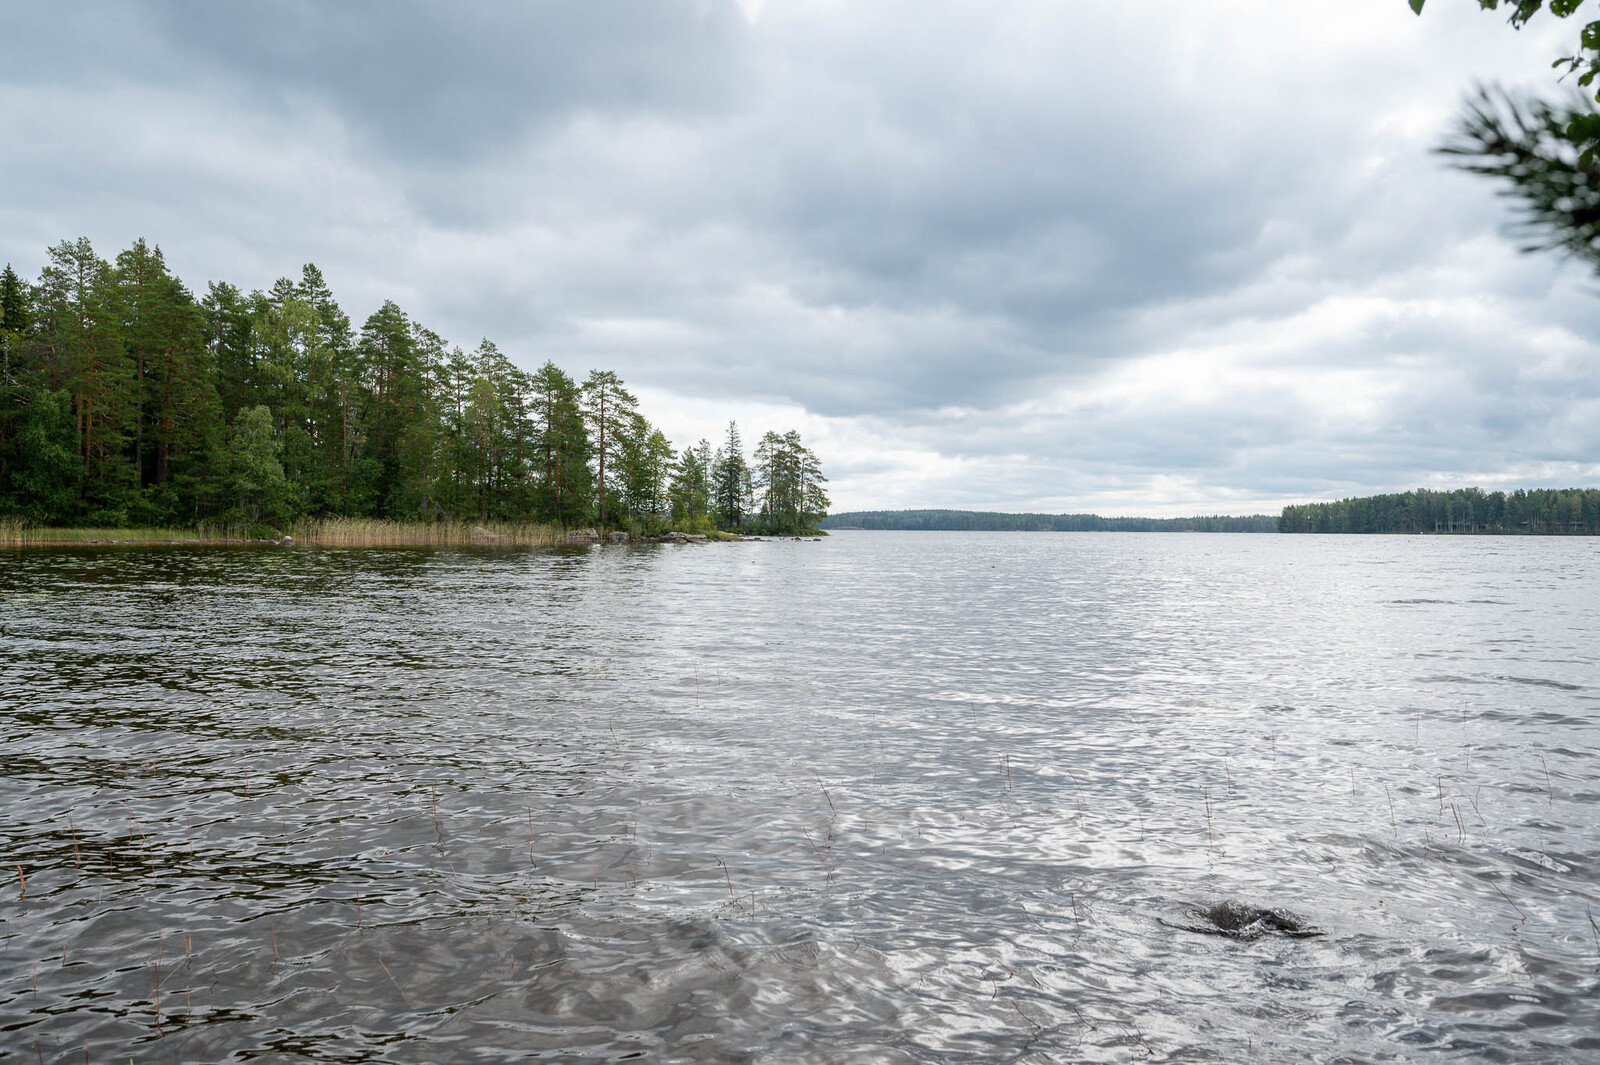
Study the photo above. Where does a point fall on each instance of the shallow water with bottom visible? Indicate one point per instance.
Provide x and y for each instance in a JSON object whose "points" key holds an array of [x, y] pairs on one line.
{"points": [[885, 797]]}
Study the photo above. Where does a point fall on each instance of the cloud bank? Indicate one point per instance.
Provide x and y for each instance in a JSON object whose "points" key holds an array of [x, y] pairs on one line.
{"points": [[1160, 258]]}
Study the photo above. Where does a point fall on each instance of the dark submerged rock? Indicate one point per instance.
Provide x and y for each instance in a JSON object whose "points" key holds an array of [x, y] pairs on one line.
{"points": [[1244, 921]]}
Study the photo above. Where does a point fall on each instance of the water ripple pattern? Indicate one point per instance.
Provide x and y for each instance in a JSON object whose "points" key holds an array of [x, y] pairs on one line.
{"points": [[887, 797]]}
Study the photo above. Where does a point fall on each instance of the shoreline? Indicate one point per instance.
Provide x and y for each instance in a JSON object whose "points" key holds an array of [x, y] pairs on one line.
{"points": [[399, 536]]}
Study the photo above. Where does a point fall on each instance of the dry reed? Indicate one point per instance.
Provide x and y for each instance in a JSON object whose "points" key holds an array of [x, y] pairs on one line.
{"points": [[362, 532]]}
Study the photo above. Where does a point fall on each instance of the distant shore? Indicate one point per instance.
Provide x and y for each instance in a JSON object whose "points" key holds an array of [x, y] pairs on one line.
{"points": [[1462, 511], [994, 521]]}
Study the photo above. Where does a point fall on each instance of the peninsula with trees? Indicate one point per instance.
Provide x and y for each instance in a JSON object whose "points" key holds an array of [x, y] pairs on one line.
{"points": [[128, 402]]}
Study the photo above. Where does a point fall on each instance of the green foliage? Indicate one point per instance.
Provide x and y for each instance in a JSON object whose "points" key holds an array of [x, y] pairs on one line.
{"points": [[1585, 62], [1470, 510], [1544, 154], [42, 481], [983, 521], [689, 494], [258, 491]]}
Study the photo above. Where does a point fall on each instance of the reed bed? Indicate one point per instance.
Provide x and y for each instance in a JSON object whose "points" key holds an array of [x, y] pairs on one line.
{"points": [[362, 532], [15, 532], [326, 532]]}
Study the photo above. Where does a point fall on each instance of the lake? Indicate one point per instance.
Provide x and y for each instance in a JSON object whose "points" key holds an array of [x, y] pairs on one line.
{"points": [[932, 797]]}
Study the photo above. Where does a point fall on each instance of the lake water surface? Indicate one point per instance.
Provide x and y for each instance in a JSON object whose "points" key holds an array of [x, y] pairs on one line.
{"points": [[885, 797]]}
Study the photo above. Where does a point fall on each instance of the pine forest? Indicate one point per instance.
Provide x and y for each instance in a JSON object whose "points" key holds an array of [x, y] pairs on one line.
{"points": [[1549, 511], [127, 401]]}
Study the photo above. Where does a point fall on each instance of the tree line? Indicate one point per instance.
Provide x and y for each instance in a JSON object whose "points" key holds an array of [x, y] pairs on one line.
{"points": [[988, 521], [1568, 511], [126, 400]]}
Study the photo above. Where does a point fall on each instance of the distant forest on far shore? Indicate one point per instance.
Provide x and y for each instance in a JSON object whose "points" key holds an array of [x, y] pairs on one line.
{"points": [[1546, 511], [1539, 511], [988, 521]]}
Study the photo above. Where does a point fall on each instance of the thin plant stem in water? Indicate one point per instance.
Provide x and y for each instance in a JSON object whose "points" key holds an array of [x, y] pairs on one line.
{"points": [[1513, 905], [393, 981], [1549, 791], [815, 849]]}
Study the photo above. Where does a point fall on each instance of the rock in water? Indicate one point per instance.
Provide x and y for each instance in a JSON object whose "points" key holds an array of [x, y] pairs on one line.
{"points": [[1244, 921]]}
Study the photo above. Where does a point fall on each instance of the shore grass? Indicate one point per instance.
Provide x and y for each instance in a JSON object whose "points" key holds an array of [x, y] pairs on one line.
{"points": [[330, 532]]}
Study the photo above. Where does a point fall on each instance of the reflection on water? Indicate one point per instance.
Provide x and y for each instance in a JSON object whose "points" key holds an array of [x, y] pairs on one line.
{"points": [[889, 797]]}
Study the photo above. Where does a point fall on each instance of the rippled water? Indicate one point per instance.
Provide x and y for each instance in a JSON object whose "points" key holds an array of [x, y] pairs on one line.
{"points": [[887, 797]]}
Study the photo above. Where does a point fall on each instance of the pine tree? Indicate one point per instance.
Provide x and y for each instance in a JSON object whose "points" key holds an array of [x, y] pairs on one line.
{"points": [[608, 409], [564, 482], [395, 394], [789, 480], [15, 392], [79, 325], [731, 486], [690, 491], [645, 463], [177, 411]]}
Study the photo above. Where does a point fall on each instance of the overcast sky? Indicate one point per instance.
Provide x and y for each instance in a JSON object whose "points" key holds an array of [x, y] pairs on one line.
{"points": [[1161, 257]]}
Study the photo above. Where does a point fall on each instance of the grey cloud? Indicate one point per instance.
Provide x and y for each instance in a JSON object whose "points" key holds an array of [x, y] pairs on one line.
{"points": [[914, 217]]}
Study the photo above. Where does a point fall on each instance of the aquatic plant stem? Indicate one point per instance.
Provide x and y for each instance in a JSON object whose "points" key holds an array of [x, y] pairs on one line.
{"points": [[1513, 905]]}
